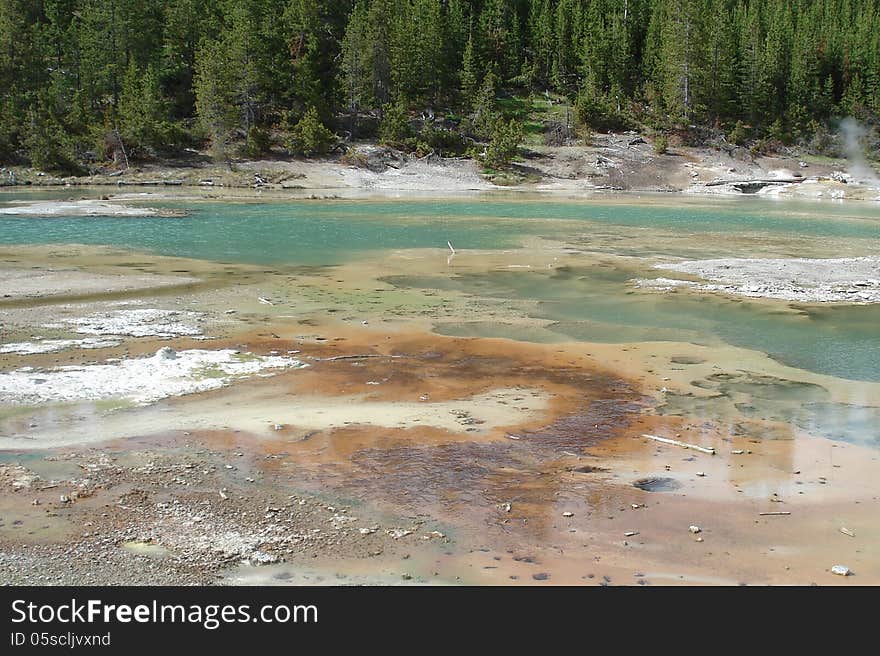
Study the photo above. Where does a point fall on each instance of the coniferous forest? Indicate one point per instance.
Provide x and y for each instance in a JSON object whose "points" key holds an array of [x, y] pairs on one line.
{"points": [[79, 78]]}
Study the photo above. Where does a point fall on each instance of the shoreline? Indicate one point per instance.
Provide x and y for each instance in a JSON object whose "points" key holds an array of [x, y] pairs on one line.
{"points": [[611, 164]]}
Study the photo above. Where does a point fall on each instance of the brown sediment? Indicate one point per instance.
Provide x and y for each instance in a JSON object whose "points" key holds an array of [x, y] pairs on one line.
{"points": [[495, 497], [462, 478], [584, 403], [494, 484], [619, 535], [427, 471]]}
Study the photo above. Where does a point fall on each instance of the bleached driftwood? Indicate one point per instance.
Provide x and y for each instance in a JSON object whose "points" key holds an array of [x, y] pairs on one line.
{"points": [[359, 356], [684, 445], [756, 181]]}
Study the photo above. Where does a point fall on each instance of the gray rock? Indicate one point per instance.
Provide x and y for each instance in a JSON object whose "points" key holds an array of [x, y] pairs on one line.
{"points": [[263, 558], [166, 353]]}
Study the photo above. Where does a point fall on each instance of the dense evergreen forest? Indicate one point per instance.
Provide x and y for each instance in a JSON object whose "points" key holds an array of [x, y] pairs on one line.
{"points": [[82, 80]]}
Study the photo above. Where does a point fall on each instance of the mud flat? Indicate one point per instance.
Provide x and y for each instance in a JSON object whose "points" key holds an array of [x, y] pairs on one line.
{"points": [[556, 496], [292, 479], [86, 207], [20, 283], [840, 280], [397, 454], [205, 502], [148, 514]]}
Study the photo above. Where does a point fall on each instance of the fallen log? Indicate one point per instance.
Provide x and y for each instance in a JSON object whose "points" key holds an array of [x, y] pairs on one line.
{"points": [[684, 445], [149, 183], [755, 181], [361, 356]]}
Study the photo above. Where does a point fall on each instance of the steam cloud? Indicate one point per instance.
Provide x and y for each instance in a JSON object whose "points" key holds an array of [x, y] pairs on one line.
{"points": [[853, 133]]}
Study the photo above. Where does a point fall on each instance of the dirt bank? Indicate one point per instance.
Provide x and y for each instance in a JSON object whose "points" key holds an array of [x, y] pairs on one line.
{"points": [[611, 161]]}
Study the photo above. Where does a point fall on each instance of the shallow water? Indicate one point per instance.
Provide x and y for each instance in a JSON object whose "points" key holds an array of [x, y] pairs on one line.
{"points": [[601, 245], [598, 306], [326, 232], [422, 427]]}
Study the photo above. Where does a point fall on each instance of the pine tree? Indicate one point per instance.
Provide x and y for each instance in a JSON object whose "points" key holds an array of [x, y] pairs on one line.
{"points": [[720, 61], [186, 23], [379, 52], [416, 48], [803, 77], [773, 73], [469, 79], [20, 73], [395, 128], [484, 114], [313, 31], [143, 111], [456, 31], [48, 146], [682, 57], [216, 105], [563, 66], [543, 39], [354, 64], [497, 44], [750, 90], [504, 141], [310, 136]]}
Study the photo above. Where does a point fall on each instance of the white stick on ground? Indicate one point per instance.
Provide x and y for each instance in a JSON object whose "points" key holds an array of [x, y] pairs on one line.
{"points": [[770, 514], [683, 445], [357, 356], [449, 243]]}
